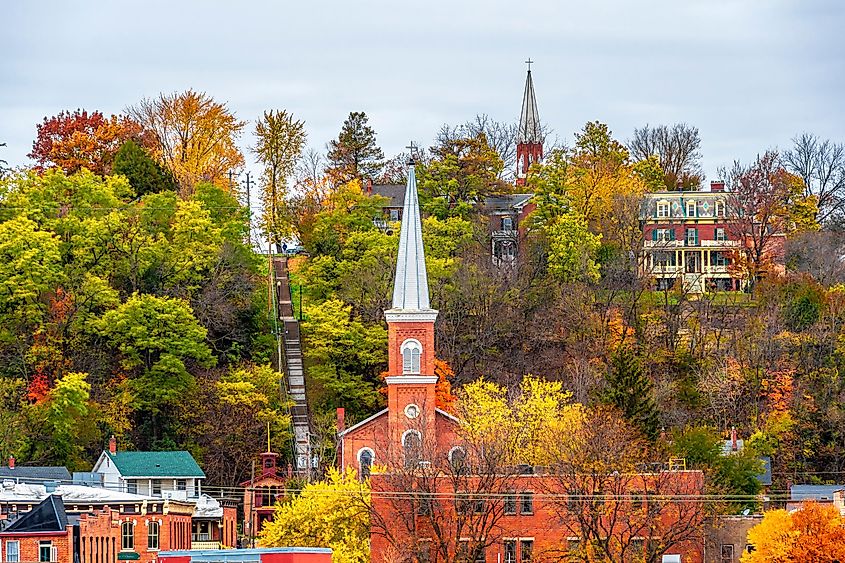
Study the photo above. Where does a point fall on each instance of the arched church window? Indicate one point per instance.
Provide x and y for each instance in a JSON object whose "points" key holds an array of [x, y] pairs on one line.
{"points": [[411, 352], [457, 459], [412, 446], [366, 456]]}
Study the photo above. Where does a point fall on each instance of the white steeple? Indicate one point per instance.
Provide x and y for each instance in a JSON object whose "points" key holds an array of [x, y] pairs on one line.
{"points": [[410, 288]]}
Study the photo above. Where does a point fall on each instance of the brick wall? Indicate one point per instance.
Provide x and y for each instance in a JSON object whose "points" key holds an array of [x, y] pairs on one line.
{"points": [[29, 545], [101, 538]]}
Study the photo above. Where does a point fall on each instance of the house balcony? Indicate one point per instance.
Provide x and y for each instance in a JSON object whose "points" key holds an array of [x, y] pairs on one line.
{"points": [[672, 271], [661, 244], [719, 243]]}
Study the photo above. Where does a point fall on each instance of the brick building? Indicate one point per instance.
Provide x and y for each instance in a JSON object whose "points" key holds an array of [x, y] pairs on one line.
{"points": [[43, 534], [261, 493], [432, 496]]}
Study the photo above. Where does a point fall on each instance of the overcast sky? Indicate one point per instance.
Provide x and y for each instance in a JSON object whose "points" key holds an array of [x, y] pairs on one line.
{"points": [[749, 74]]}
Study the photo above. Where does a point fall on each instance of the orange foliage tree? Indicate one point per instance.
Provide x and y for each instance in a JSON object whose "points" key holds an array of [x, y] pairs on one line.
{"points": [[194, 137], [75, 140], [813, 534]]}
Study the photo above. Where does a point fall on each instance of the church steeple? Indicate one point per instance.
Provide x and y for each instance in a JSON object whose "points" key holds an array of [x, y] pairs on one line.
{"points": [[410, 288], [529, 138]]}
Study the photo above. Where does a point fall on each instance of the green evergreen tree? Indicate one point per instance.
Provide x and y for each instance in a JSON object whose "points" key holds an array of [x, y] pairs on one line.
{"points": [[355, 153], [632, 392], [145, 175]]}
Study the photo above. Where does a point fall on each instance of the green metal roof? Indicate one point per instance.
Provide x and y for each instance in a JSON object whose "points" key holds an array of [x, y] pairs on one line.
{"points": [[156, 464]]}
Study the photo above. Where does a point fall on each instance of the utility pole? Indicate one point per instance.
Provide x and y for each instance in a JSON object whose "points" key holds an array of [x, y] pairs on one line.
{"points": [[252, 505], [248, 183]]}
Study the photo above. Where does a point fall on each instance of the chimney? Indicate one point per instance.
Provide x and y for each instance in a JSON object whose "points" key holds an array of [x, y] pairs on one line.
{"points": [[112, 445], [733, 439], [717, 186], [369, 186], [341, 420], [11, 462]]}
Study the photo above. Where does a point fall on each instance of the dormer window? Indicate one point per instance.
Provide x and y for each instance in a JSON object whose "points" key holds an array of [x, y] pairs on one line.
{"points": [[720, 209], [662, 208], [411, 352], [690, 209]]}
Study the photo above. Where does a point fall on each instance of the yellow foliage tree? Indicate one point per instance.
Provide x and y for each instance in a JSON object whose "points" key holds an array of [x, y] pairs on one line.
{"points": [[333, 513], [813, 534], [526, 422], [194, 137]]}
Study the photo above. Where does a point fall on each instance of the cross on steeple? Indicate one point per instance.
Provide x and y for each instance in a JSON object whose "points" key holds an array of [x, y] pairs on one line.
{"points": [[528, 62], [412, 149]]}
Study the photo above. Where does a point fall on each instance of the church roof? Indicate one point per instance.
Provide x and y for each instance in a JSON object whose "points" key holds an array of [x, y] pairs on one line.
{"points": [[410, 288], [529, 119]]}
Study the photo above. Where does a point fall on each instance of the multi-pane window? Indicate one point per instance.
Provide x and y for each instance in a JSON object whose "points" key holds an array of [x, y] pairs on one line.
{"points": [[510, 551], [156, 487], [411, 352], [181, 484], [45, 551], [691, 209], [507, 223], [127, 536], [510, 503], [526, 502], [662, 208], [663, 235], [720, 209], [412, 445], [152, 535], [719, 259], [526, 548], [720, 234], [365, 462], [13, 551], [727, 553], [132, 487], [692, 237], [394, 214]]}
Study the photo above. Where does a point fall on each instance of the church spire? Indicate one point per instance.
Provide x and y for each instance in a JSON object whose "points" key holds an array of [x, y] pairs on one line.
{"points": [[410, 288], [529, 137]]}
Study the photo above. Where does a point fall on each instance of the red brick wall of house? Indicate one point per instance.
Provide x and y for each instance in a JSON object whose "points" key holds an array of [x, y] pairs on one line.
{"points": [[544, 526], [29, 545], [230, 526], [397, 333], [101, 535]]}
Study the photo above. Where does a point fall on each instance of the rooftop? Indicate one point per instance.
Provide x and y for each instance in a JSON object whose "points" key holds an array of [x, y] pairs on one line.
{"points": [[35, 472], [156, 464], [29, 493]]}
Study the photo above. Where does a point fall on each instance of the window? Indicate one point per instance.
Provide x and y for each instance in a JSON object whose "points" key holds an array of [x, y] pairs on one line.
{"points": [[573, 501], [573, 545], [720, 209], [155, 487], [366, 456], [526, 504], [45, 551], [507, 223], [510, 551], [13, 551], [718, 259], [394, 214], [720, 234], [132, 487], [457, 459], [637, 546], [727, 553], [412, 446], [691, 209], [182, 484], [663, 235], [526, 548], [510, 503], [127, 536], [152, 535], [480, 554], [411, 352], [662, 208], [692, 237]]}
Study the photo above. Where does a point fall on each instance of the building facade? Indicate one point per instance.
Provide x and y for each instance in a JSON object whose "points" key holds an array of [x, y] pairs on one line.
{"points": [[261, 494]]}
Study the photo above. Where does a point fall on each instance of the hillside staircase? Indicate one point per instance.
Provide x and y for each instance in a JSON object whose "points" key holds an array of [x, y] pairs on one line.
{"points": [[290, 350]]}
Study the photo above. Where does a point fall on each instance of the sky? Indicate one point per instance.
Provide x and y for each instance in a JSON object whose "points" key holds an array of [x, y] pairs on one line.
{"points": [[750, 74]]}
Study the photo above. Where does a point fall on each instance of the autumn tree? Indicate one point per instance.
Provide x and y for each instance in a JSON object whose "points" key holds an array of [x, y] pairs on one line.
{"points": [[4, 165], [145, 175], [678, 150], [765, 203], [821, 165], [814, 533], [354, 154], [331, 513], [279, 142], [194, 137], [462, 171], [75, 140], [499, 135]]}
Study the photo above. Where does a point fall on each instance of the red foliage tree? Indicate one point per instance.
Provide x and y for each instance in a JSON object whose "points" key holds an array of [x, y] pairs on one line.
{"points": [[75, 140]]}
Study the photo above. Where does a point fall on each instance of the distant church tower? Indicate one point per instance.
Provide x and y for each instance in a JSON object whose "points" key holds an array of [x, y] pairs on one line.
{"points": [[529, 138]]}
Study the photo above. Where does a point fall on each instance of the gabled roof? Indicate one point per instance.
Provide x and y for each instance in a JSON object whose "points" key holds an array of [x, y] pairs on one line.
{"points": [[507, 202], [49, 516], [393, 192], [178, 464], [529, 119], [383, 412], [35, 473]]}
